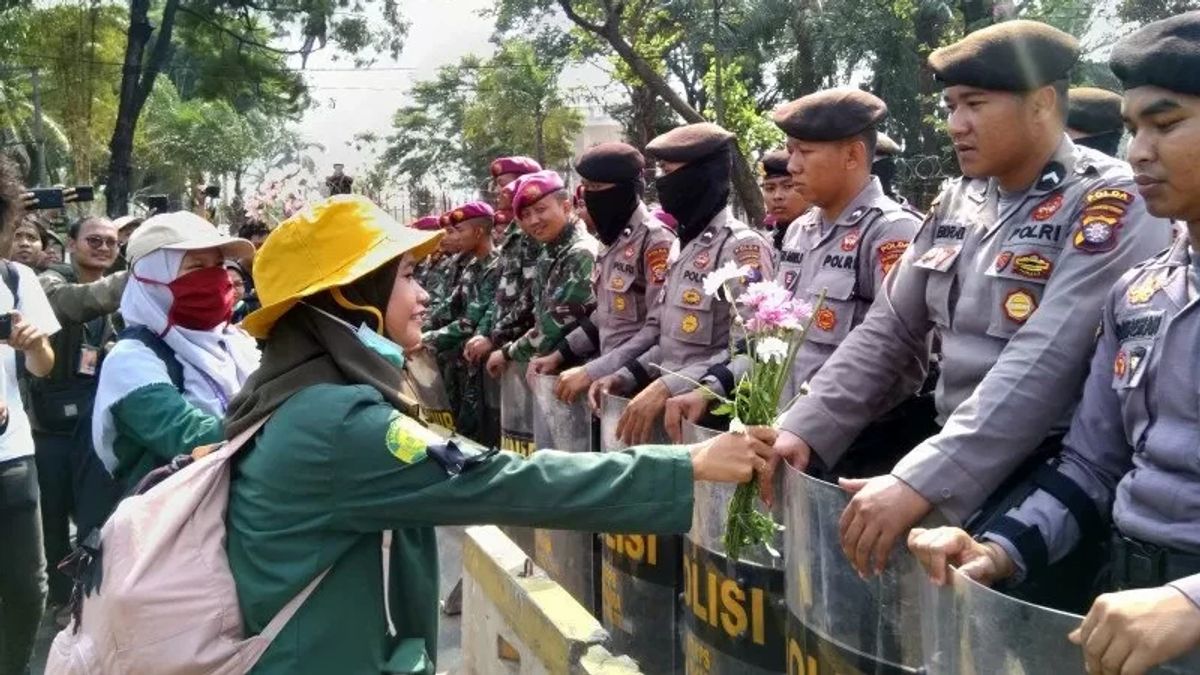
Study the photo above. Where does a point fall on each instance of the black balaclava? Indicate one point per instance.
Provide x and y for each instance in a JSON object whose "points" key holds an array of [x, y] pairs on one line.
{"points": [[611, 209], [1108, 143], [884, 168], [696, 193]]}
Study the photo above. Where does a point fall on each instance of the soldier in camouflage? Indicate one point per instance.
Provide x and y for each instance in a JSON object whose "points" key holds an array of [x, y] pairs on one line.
{"points": [[562, 282], [471, 228], [441, 278]]}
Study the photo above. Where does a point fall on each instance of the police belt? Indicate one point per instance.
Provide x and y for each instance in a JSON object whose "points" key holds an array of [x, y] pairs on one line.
{"points": [[1140, 564]]}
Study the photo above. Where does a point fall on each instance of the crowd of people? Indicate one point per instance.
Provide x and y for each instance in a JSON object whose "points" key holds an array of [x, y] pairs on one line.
{"points": [[1018, 360]]}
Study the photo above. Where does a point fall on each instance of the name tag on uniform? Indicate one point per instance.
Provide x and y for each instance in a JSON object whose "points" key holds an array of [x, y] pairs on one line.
{"points": [[89, 359], [940, 258]]}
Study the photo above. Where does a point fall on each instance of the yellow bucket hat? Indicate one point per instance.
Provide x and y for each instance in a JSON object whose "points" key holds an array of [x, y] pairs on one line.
{"points": [[331, 243]]}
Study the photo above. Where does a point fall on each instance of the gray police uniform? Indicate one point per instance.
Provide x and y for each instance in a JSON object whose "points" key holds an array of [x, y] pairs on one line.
{"points": [[629, 278], [1132, 449], [1014, 285], [689, 331], [847, 260]]}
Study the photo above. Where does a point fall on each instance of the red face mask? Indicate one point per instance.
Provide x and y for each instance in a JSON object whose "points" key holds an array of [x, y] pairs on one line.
{"points": [[201, 300]]}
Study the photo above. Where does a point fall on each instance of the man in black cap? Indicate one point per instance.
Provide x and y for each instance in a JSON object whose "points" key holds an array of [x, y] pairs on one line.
{"points": [[338, 183], [631, 268], [1130, 458], [784, 202], [884, 166], [1010, 269], [689, 331], [1094, 119], [841, 250]]}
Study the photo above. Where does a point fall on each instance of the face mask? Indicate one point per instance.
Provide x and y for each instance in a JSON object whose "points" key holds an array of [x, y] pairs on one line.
{"points": [[200, 300], [386, 349], [696, 193], [611, 209]]}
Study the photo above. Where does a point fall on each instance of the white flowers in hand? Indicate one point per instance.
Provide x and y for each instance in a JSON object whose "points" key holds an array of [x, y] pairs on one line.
{"points": [[716, 279], [771, 349]]}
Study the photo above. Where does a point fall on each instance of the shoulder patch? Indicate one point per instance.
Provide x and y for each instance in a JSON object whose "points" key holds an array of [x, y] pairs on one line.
{"points": [[889, 253], [656, 262], [403, 438]]}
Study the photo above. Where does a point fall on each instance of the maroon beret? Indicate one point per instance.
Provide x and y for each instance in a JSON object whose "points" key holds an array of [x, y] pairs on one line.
{"points": [[469, 211], [531, 188], [427, 223], [518, 165]]}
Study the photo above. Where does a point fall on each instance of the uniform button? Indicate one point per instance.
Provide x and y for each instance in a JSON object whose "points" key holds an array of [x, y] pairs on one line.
{"points": [[945, 493]]}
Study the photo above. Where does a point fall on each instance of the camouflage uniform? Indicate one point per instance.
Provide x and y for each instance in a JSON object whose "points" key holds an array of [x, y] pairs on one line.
{"points": [[467, 305], [440, 284], [562, 291], [512, 312]]}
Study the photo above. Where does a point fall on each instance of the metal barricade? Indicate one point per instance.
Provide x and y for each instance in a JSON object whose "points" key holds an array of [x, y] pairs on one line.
{"points": [[516, 434], [640, 580], [426, 380], [838, 622], [568, 557], [735, 611], [970, 629]]}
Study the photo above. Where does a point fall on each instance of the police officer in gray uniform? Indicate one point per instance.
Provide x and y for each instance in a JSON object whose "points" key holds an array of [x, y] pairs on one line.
{"points": [[1094, 119], [1132, 449], [1010, 268], [840, 251], [630, 270], [688, 330]]}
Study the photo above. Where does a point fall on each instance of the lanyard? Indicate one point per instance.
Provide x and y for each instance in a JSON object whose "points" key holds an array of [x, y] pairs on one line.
{"points": [[216, 388]]}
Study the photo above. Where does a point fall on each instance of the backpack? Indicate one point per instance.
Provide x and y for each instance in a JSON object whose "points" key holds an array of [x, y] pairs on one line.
{"points": [[167, 603], [12, 279]]}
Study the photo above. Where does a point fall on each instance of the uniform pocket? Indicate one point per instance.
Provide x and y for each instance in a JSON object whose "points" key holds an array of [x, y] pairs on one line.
{"points": [[835, 317], [1018, 277], [940, 260], [688, 316], [621, 300]]}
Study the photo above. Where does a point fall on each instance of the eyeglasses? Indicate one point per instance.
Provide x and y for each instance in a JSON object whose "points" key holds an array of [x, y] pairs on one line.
{"points": [[96, 241]]}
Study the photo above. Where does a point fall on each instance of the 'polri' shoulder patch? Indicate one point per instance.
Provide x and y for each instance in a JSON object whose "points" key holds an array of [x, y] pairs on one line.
{"points": [[404, 439]]}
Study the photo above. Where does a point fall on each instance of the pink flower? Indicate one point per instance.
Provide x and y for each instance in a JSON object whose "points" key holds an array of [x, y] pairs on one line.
{"points": [[761, 292]]}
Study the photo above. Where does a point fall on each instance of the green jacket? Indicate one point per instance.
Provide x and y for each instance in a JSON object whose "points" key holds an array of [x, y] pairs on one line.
{"points": [[154, 425], [336, 466]]}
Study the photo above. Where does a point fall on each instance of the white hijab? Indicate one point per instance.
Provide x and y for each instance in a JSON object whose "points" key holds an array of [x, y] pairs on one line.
{"points": [[215, 362]]}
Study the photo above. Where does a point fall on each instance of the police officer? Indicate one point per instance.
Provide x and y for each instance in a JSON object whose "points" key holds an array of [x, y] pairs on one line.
{"points": [[784, 202], [837, 254], [689, 330], [1131, 451], [630, 270], [1010, 268], [1094, 119], [562, 282], [884, 166], [512, 312]]}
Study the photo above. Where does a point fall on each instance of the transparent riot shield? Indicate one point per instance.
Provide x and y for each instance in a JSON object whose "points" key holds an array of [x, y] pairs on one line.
{"points": [[734, 611], [516, 434], [640, 580], [970, 629], [837, 622], [426, 380], [568, 557]]}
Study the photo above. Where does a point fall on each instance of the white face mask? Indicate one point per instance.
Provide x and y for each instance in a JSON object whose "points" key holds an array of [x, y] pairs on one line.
{"points": [[390, 351]]}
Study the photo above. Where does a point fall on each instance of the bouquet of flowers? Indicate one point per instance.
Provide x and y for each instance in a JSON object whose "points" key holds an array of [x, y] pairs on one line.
{"points": [[776, 327]]}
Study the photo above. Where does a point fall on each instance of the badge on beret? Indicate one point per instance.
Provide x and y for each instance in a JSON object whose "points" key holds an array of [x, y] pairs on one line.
{"points": [[1032, 266], [458, 216], [1119, 364], [629, 251], [690, 324], [403, 438], [656, 262], [692, 297], [890, 253], [826, 319], [850, 241], [1019, 305], [619, 303], [701, 261], [1048, 208], [1002, 260]]}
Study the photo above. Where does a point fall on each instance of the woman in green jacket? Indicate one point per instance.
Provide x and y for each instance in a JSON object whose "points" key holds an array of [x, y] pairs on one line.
{"points": [[339, 462]]}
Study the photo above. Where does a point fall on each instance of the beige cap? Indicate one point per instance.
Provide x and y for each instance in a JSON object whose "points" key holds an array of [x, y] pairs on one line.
{"points": [[183, 231]]}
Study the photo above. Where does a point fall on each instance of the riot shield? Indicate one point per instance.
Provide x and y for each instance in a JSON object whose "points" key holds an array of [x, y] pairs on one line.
{"points": [[426, 380], [568, 557], [735, 611], [516, 434], [640, 581], [837, 622], [970, 629]]}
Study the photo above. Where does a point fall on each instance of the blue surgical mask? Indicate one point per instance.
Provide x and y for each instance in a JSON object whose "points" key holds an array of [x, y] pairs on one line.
{"points": [[385, 348]]}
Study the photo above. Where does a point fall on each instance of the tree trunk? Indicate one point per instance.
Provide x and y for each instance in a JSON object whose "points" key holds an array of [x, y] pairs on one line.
{"points": [[744, 180], [137, 80], [539, 134]]}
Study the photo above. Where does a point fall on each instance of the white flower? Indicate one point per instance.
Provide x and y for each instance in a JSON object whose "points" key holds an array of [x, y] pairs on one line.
{"points": [[714, 280], [770, 349], [737, 426]]}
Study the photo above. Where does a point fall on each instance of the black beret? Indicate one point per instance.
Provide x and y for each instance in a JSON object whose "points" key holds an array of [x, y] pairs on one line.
{"points": [[830, 115], [1162, 54], [610, 163], [774, 164], [1015, 55], [689, 142], [885, 146], [1094, 111]]}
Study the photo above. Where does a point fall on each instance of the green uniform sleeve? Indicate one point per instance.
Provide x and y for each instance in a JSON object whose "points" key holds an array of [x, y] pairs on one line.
{"points": [[459, 330], [80, 303], [158, 419], [569, 297], [383, 478]]}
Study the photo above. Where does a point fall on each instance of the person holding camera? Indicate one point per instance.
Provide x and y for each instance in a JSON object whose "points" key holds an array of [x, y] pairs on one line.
{"points": [[26, 322]]}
